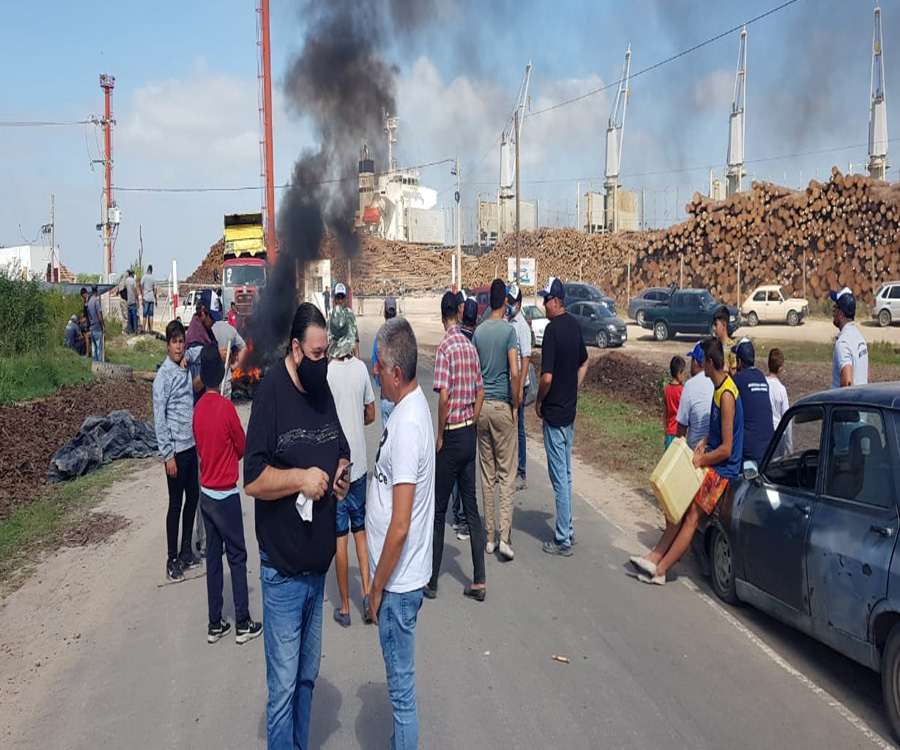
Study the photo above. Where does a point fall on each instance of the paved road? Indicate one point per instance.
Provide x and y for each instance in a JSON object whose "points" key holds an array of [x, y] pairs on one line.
{"points": [[650, 667]]}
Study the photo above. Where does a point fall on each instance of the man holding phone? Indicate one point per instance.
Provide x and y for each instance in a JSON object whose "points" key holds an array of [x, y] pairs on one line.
{"points": [[354, 398]]}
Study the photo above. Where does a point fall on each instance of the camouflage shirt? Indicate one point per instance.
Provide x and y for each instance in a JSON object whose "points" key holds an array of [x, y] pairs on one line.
{"points": [[342, 332]]}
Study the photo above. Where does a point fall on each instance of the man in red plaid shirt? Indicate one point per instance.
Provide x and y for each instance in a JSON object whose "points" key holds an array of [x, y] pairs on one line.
{"points": [[457, 379]]}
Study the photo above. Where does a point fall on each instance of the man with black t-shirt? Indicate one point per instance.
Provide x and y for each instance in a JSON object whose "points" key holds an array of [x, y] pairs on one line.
{"points": [[294, 465], [564, 363]]}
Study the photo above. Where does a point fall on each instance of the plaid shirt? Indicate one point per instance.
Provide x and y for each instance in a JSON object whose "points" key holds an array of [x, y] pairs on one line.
{"points": [[456, 368]]}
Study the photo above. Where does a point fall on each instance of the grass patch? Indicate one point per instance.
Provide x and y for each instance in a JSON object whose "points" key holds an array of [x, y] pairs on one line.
{"points": [[880, 352], [39, 373], [41, 526], [143, 353], [627, 438]]}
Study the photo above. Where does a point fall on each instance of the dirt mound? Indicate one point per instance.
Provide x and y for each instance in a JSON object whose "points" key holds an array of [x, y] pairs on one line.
{"points": [[31, 432], [626, 377]]}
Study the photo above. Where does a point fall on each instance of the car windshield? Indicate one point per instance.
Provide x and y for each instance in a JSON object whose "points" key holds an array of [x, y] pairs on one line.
{"points": [[593, 292], [533, 312], [706, 300], [784, 294], [599, 310], [245, 275]]}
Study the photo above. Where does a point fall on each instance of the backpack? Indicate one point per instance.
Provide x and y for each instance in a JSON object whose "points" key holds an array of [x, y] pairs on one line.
{"points": [[123, 293]]}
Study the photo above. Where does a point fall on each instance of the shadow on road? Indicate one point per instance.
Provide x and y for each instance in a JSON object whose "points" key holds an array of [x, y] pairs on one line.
{"points": [[538, 524], [375, 720]]}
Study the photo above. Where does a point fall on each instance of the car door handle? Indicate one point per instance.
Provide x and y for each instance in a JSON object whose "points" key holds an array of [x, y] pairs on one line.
{"points": [[803, 509], [885, 531]]}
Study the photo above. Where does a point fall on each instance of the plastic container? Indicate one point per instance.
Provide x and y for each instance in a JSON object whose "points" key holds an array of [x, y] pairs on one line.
{"points": [[675, 481]]}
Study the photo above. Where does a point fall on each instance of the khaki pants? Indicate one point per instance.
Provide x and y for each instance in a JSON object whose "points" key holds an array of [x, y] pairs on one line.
{"points": [[497, 452]]}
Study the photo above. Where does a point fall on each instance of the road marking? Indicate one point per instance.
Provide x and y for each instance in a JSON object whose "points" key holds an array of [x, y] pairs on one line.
{"points": [[832, 702], [597, 508]]}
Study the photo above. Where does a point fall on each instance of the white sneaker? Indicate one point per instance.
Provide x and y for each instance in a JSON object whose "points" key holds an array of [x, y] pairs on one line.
{"points": [[489, 548], [521, 484], [643, 565], [655, 580], [506, 551]]}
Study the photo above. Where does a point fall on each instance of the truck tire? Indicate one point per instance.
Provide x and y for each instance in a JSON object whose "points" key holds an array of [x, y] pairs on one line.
{"points": [[660, 330], [111, 371], [793, 318], [884, 318], [753, 319]]}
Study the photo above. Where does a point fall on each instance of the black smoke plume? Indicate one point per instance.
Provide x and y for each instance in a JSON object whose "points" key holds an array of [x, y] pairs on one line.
{"points": [[342, 81]]}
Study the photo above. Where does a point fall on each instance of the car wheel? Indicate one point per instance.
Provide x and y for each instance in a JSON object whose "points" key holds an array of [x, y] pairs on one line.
{"points": [[884, 318], [602, 339], [639, 318], [660, 331], [722, 567], [753, 319], [890, 678], [793, 318], [533, 340]]}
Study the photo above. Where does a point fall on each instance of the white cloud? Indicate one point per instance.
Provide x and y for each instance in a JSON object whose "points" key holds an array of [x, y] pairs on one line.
{"points": [[714, 91]]}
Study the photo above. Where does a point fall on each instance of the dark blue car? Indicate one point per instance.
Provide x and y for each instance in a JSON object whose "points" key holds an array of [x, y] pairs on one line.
{"points": [[809, 534]]}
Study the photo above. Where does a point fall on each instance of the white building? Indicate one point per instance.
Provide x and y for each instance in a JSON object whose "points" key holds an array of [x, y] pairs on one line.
{"points": [[31, 261]]}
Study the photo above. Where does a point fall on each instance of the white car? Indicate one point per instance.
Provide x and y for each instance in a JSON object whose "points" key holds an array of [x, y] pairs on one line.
{"points": [[772, 304], [537, 321]]}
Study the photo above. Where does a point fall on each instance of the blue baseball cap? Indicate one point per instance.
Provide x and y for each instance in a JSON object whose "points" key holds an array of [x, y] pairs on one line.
{"points": [[696, 353], [845, 302], [554, 288]]}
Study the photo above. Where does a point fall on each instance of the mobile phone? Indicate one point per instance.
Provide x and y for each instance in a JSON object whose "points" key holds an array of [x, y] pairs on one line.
{"points": [[345, 472]]}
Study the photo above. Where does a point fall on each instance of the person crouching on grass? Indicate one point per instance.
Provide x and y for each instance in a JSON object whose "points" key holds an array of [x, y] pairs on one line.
{"points": [[220, 446], [719, 453]]}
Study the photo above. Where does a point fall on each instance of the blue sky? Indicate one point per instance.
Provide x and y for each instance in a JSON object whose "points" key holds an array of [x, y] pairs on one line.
{"points": [[186, 98]]}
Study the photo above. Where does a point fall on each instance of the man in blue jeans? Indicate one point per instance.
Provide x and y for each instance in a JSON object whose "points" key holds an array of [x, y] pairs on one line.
{"points": [[295, 455], [523, 340], [399, 523], [564, 363]]}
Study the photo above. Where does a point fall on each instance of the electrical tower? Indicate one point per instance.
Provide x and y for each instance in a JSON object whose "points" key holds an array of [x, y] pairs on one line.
{"points": [[509, 152], [266, 158], [615, 136], [735, 172], [878, 134], [110, 216]]}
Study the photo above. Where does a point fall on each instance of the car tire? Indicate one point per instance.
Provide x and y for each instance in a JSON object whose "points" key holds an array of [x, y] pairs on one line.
{"points": [[890, 678], [533, 340], [602, 339], [793, 318], [721, 564], [753, 319], [884, 318], [639, 318], [660, 330]]}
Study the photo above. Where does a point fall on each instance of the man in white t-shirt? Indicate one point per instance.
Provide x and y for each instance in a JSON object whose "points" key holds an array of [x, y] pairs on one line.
{"points": [[229, 339], [696, 401], [850, 364], [148, 286], [523, 339], [400, 521], [354, 398]]}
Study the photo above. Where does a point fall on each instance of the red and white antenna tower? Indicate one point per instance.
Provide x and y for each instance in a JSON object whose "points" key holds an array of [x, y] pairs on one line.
{"points": [[264, 72], [109, 212]]}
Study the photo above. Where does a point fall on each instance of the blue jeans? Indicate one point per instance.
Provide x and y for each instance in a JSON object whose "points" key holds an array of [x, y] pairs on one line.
{"points": [[558, 444], [97, 346], [292, 632], [397, 633], [132, 318], [386, 408], [225, 525], [523, 458]]}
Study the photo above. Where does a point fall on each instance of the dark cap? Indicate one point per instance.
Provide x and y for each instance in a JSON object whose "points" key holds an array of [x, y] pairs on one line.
{"points": [[449, 305], [744, 351], [513, 293], [460, 298], [390, 306], [845, 302], [83, 290], [212, 368], [470, 312], [554, 288]]}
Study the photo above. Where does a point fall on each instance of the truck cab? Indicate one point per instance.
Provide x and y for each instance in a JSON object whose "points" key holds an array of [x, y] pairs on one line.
{"points": [[244, 269]]}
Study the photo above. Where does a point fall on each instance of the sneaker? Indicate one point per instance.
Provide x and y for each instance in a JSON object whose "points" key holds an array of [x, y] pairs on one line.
{"points": [[455, 526], [489, 548], [462, 534], [643, 565], [506, 551], [246, 630], [552, 548], [341, 618], [521, 484], [659, 580], [573, 541], [189, 560], [217, 631], [173, 570]]}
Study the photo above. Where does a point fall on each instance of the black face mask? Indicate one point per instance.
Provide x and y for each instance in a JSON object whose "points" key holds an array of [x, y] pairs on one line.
{"points": [[313, 374]]}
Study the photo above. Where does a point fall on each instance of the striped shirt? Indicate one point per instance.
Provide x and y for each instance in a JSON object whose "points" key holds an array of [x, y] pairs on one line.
{"points": [[457, 368], [173, 406]]}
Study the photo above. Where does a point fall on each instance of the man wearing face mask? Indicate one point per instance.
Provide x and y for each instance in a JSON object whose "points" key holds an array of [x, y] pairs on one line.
{"points": [[294, 463]]}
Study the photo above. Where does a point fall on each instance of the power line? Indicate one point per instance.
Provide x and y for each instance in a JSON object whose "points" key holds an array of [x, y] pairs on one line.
{"points": [[41, 123], [659, 64]]}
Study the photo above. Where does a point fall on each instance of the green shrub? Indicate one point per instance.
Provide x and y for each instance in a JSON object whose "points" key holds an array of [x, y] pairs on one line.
{"points": [[39, 373], [32, 318]]}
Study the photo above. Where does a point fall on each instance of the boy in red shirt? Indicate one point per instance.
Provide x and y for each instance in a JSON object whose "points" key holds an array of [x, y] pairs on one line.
{"points": [[672, 397], [220, 445]]}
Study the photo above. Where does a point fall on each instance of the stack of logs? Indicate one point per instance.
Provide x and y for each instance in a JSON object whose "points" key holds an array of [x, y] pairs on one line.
{"points": [[839, 233]]}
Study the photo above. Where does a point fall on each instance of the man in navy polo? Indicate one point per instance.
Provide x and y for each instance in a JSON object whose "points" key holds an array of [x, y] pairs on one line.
{"points": [[753, 388]]}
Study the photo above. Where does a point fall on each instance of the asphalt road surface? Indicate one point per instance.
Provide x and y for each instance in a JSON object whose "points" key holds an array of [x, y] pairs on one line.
{"points": [[98, 654]]}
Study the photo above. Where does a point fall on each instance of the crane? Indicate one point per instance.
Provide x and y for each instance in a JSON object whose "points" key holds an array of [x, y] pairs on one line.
{"points": [[735, 172], [509, 140], [615, 132], [878, 134]]}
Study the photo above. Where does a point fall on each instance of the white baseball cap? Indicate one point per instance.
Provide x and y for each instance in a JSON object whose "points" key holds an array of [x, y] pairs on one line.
{"points": [[340, 289]]}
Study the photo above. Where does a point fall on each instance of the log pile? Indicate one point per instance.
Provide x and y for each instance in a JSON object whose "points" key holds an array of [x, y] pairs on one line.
{"points": [[839, 233]]}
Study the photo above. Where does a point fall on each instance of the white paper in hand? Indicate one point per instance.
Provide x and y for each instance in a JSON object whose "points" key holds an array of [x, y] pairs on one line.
{"points": [[304, 507]]}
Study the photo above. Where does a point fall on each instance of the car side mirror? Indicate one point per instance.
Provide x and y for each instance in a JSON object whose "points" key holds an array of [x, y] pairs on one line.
{"points": [[751, 470]]}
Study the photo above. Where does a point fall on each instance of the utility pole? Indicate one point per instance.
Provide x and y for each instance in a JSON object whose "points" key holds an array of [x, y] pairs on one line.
{"points": [[456, 196], [109, 212], [518, 196], [265, 75], [53, 267]]}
